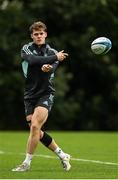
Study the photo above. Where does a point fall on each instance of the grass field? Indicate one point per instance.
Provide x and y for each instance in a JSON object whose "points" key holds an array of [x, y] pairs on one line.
{"points": [[94, 156]]}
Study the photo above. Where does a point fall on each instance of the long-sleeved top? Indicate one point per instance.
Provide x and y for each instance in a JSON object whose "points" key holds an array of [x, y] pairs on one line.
{"points": [[37, 82]]}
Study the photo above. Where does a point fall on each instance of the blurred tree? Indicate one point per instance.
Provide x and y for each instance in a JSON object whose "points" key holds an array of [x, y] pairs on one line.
{"points": [[87, 85]]}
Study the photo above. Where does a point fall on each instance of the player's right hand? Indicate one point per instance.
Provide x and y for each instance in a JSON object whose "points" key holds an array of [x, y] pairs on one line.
{"points": [[46, 68], [61, 55]]}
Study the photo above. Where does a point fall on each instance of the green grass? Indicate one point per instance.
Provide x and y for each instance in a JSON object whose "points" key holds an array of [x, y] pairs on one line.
{"points": [[98, 146]]}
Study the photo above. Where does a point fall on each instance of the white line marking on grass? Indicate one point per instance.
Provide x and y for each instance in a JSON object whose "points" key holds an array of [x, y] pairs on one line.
{"points": [[53, 157], [84, 160], [95, 161]]}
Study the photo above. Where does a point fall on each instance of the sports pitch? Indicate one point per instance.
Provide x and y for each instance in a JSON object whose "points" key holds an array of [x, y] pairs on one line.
{"points": [[94, 156]]}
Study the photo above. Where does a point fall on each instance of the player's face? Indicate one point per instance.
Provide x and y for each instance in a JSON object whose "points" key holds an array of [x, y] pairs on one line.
{"points": [[39, 36]]}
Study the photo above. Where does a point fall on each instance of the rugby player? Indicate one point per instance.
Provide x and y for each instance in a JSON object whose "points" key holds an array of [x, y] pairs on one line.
{"points": [[39, 62]]}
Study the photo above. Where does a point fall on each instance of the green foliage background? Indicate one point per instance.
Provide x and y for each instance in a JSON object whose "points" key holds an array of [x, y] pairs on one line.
{"points": [[86, 84]]}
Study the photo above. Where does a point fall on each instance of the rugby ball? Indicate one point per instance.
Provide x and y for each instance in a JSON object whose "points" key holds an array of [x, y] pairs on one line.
{"points": [[101, 45]]}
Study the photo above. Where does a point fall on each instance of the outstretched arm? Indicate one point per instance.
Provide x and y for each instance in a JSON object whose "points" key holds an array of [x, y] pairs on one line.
{"points": [[38, 60], [32, 59]]}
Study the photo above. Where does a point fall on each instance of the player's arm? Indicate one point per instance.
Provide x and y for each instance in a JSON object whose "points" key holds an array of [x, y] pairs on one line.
{"points": [[41, 60], [38, 60], [55, 65]]}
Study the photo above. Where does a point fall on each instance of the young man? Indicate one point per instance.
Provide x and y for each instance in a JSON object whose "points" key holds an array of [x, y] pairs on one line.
{"points": [[39, 62]]}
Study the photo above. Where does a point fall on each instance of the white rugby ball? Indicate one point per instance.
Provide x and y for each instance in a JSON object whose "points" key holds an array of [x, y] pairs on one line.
{"points": [[101, 45]]}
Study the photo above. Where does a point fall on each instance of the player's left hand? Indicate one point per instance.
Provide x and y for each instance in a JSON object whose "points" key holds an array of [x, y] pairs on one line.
{"points": [[46, 68]]}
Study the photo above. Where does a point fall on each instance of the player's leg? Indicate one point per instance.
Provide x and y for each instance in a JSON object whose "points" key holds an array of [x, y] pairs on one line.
{"points": [[38, 119], [50, 143]]}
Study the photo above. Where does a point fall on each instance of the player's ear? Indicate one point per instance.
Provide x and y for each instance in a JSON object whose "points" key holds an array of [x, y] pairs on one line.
{"points": [[31, 36], [46, 34]]}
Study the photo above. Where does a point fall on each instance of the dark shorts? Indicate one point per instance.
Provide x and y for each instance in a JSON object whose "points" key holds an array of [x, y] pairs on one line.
{"points": [[44, 101]]}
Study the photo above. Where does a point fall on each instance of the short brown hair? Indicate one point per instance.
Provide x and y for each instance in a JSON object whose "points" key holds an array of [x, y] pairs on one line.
{"points": [[36, 26]]}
